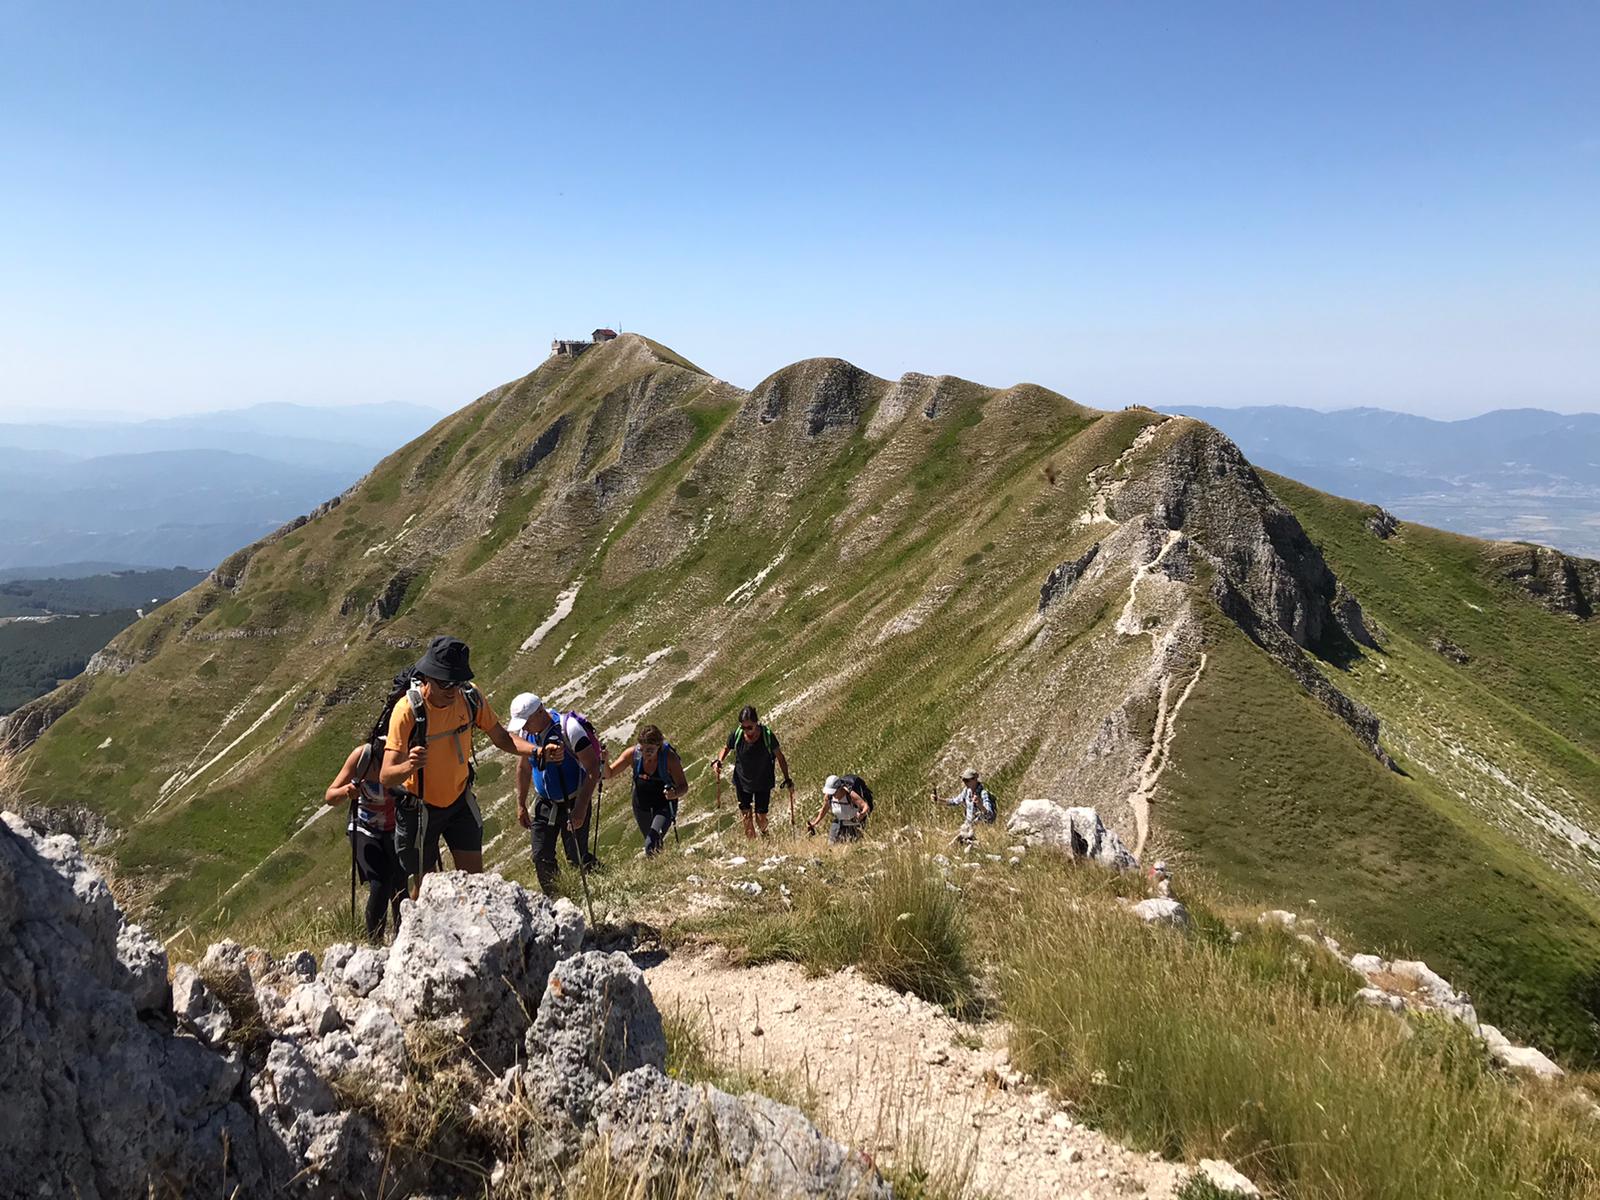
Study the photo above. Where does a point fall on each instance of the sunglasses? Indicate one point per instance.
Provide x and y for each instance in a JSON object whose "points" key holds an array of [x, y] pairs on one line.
{"points": [[747, 728], [448, 685]]}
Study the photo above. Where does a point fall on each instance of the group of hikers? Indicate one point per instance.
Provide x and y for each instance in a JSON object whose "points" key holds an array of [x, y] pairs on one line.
{"points": [[410, 784]]}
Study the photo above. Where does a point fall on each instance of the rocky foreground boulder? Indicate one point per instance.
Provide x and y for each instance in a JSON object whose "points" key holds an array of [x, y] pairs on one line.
{"points": [[289, 1078]]}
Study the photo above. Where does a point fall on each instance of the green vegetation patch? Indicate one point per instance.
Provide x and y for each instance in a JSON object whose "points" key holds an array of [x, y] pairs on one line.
{"points": [[1184, 1044], [36, 655]]}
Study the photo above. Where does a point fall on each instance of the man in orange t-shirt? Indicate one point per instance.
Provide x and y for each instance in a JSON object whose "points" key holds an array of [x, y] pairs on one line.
{"points": [[439, 771]]}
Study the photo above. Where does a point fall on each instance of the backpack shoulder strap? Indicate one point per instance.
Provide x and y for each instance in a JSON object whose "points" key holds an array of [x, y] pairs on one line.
{"points": [[419, 712], [363, 763], [474, 702], [766, 738]]}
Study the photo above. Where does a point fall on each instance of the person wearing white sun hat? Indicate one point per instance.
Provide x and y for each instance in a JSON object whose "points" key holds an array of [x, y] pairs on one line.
{"points": [[563, 771], [851, 801]]}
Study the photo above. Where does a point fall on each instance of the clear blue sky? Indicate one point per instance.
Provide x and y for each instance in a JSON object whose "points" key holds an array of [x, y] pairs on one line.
{"points": [[208, 204]]}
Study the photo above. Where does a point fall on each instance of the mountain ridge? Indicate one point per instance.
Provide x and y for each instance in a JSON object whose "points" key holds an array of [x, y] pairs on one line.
{"points": [[869, 560]]}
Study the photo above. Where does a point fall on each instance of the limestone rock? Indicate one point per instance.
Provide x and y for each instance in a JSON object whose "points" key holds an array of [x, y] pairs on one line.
{"points": [[473, 956], [1279, 916], [1379, 998], [1382, 524], [225, 963], [335, 958], [596, 1022], [1565, 585], [362, 972], [661, 1128], [1162, 910], [1060, 580], [197, 1009], [309, 1146], [1225, 1177], [310, 1006], [145, 962], [1518, 1058], [98, 1102], [1075, 832]]}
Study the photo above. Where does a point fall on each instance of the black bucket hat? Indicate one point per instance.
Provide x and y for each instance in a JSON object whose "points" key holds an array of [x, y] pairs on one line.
{"points": [[446, 659]]}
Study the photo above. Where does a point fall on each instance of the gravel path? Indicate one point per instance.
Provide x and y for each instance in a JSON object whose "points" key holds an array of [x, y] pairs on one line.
{"points": [[894, 1076]]}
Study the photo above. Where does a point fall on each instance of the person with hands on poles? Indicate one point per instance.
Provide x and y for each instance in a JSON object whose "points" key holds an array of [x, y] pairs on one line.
{"points": [[429, 759], [371, 831], [973, 799], [851, 801], [756, 758], [563, 770], [658, 785]]}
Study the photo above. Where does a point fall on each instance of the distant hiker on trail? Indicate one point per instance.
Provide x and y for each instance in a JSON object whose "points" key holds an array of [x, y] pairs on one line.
{"points": [[658, 785], [371, 831], [974, 798], [755, 753], [851, 801], [564, 770], [429, 756]]}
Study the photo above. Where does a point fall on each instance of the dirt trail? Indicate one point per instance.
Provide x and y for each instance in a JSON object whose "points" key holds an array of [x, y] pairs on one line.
{"points": [[895, 1076]]}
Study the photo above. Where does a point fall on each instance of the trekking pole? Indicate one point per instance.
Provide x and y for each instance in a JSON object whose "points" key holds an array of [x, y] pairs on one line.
{"points": [[791, 808], [352, 836], [567, 834], [583, 877], [594, 817]]}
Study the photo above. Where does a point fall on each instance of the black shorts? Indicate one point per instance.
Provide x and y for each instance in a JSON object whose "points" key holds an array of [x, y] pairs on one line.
{"points": [[760, 801], [459, 825]]}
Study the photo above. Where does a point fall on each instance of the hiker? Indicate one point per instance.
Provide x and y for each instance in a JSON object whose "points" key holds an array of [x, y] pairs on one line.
{"points": [[565, 767], [371, 831], [851, 801], [755, 750], [974, 798], [429, 756], [658, 785]]}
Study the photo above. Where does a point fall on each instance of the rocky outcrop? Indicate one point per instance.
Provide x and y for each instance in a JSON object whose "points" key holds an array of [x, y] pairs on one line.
{"points": [[1076, 832], [1198, 481], [668, 1131], [1059, 582], [829, 392], [512, 469], [466, 929], [99, 1101], [110, 662], [1382, 524], [268, 1077], [1559, 582], [391, 596], [23, 727], [1267, 576]]}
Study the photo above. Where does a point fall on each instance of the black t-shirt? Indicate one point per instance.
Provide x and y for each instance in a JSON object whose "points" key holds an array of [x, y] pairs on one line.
{"points": [[754, 763]]}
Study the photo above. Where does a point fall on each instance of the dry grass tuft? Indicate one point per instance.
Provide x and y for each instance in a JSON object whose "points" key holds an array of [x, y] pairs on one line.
{"points": [[1255, 1052]]}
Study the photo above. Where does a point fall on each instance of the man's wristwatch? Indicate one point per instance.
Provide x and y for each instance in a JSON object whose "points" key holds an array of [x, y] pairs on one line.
{"points": [[788, 783]]}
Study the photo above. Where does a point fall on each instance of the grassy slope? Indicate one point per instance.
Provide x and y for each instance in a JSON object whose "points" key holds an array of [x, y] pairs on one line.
{"points": [[673, 495], [1415, 863]]}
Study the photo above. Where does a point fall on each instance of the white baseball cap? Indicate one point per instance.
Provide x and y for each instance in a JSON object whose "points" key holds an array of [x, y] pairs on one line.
{"points": [[831, 785], [522, 710]]}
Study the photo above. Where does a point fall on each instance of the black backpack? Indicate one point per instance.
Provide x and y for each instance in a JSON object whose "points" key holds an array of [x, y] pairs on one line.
{"points": [[375, 738], [859, 786]]}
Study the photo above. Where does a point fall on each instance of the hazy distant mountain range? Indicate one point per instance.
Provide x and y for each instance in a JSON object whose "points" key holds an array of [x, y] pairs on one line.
{"points": [[184, 490], [1518, 474]]}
